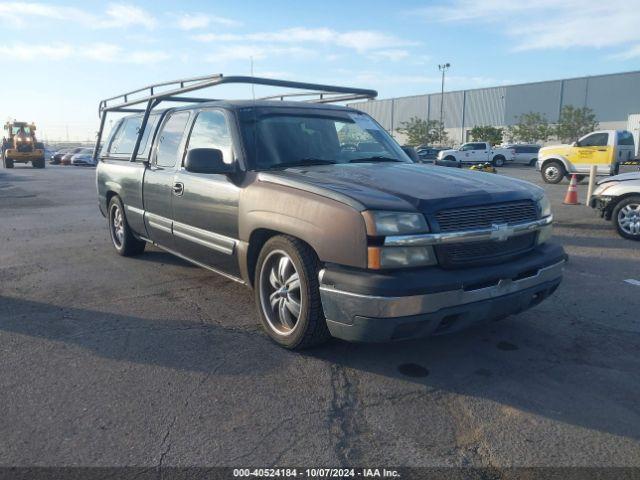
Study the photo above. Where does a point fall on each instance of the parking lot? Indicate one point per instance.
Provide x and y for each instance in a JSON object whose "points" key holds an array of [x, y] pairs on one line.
{"points": [[150, 361]]}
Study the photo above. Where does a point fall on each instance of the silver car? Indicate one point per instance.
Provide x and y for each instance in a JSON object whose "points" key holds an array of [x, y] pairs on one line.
{"points": [[526, 154], [618, 199]]}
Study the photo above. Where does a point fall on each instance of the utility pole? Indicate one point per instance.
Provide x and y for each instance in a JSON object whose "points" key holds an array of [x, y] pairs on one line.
{"points": [[443, 68]]}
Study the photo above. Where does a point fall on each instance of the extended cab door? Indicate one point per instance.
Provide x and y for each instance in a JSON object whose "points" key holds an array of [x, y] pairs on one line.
{"points": [[206, 212], [593, 149], [158, 186]]}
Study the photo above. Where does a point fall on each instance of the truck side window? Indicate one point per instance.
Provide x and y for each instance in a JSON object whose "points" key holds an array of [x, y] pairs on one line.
{"points": [[594, 140], [125, 138], [170, 139], [625, 138], [210, 130]]}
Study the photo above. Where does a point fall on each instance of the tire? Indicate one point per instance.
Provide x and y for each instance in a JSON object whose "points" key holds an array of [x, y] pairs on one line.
{"points": [[8, 162], [125, 243], [38, 163], [627, 209], [579, 178], [553, 172], [287, 294], [498, 161], [532, 162]]}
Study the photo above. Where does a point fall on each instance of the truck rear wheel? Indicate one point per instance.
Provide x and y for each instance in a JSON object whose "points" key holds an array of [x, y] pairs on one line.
{"points": [[553, 172], [287, 293], [125, 243], [498, 161]]}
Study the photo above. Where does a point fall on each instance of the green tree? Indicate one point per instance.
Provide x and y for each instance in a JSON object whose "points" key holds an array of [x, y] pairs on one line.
{"points": [[487, 133], [575, 122], [423, 132], [530, 128]]}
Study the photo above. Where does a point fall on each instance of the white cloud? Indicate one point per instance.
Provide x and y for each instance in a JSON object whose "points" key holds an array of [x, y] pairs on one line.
{"points": [[393, 55], [631, 53], [194, 21], [359, 40], [125, 15], [101, 52], [18, 14], [547, 24], [258, 52]]}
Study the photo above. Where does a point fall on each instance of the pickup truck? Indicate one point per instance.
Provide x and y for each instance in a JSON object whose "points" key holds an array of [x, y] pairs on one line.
{"points": [[478, 152], [336, 239], [605, 148]]}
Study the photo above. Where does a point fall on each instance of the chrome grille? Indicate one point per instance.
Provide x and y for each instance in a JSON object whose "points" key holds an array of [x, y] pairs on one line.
{"points": [[483, 217], [485, 252]]}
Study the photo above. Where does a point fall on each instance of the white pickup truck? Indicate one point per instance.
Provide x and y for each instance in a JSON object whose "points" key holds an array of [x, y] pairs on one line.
{"points": [[478, 152]]}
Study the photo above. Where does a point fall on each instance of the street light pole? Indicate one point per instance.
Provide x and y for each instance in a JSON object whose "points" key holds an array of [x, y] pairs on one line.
{"points": [[443, 68]]}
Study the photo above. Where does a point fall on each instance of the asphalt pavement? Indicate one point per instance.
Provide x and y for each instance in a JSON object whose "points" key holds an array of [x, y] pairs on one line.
{"points": [[150, 361]]}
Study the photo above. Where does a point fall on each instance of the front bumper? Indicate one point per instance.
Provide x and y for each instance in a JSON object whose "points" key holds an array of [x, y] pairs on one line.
{"points": [[18, 156], [370, 307]]}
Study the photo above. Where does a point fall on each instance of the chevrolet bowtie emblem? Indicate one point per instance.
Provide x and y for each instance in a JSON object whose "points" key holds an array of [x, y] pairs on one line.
{"points": [[500, 231]]}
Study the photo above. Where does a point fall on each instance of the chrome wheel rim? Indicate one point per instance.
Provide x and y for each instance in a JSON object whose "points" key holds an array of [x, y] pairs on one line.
{"points": [[117, 226], [629, 219], [280, 293], [552, 172]]}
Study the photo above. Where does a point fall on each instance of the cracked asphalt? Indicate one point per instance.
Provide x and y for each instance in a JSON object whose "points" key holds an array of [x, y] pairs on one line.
{"points": [[149, 361]]}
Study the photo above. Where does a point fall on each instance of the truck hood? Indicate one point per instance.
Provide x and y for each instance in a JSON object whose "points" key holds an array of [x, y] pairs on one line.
{"points": [[562, 150], [404, 186], [623, 177]]}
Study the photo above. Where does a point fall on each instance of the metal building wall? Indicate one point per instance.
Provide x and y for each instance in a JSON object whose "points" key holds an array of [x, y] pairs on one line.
{"points": [[452, 108], [541, 97], [614, 97], [484, 107]]}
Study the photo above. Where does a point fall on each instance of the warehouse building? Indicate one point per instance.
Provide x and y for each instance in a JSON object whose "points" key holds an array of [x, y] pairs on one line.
{"points": [[612, 97]]}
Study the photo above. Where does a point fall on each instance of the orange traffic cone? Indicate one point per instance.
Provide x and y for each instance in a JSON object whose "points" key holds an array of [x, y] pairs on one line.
{"points": [[571, 198]]}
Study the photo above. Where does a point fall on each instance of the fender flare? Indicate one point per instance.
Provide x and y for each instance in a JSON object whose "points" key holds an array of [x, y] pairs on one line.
{"points": [[559, 158]]}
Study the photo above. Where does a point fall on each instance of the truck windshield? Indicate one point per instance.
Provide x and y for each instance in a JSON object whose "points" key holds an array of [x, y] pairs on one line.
{"points": [[280, 140]]}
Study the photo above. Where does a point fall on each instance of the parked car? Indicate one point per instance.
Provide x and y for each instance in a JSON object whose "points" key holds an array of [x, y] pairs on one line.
{"points": [[66, 158], [428, 154], [362, 245], [56, 158], [526, 154], [618, 199], [605, 148], [83, 157], [478, 152]]}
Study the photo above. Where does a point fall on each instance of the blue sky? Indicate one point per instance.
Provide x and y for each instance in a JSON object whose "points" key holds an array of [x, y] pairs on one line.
{"points": [[61, 58]]}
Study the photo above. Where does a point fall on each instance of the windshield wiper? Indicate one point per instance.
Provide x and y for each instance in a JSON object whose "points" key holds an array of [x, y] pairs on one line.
{"points": [[302, 163], [374, 159]]}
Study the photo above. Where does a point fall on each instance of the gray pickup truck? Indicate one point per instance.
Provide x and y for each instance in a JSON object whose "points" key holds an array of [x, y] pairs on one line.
{"points": [[318, 209]]}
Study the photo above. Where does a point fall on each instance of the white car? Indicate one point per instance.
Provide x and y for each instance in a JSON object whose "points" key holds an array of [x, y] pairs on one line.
{"points": [[478, 152], [618, 199], [526, 153]]}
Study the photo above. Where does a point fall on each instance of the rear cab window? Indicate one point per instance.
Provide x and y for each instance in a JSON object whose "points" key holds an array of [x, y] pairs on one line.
{"points": [[170, 139], [625, 138], [121, 145]]}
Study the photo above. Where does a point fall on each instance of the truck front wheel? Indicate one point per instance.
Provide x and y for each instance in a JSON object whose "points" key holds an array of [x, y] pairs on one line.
{"points": [[553, 172], [125, 243], [626, 217], [7, 162], [38, 163], [287, 293]]}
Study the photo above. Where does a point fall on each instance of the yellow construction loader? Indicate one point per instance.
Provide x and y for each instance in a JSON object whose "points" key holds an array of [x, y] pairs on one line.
{"points": [[20, 145]]}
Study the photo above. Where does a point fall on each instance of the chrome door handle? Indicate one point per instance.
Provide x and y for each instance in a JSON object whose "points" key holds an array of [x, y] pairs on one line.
{"points": [[178, 188]]}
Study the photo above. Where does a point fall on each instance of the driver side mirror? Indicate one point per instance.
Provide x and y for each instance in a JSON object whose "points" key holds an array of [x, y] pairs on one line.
{"points": [[207, 160], [575, 144], [411, 153]]}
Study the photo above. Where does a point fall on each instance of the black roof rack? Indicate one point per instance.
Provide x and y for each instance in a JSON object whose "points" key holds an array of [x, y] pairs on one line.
{"points": [[172, 91]]}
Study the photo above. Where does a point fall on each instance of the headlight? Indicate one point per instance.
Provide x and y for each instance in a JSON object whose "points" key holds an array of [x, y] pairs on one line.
{"points": [[27, 139], [380, 224], [400, 257], [544, 206]]}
